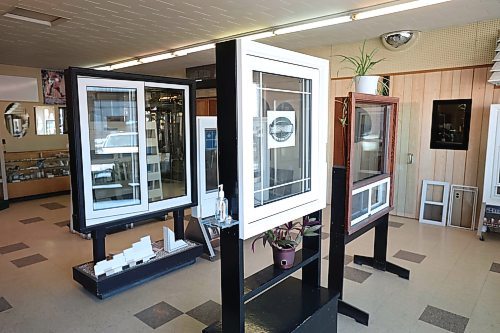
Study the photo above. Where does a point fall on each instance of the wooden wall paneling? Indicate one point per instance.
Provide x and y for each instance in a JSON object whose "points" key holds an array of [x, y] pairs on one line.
{"points": [[403, 138], [444, 157], [397, 90], [432, 83], [412, 173]]}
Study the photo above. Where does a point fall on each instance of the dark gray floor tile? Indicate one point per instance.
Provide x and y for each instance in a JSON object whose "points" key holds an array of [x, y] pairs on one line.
{"points": [[29, 260], [206, 256], [52, 205], [12, 248], [62, 223], [356, 275], [347, 259], [31, 220], [444, 319], [495, 267], [207, 313], [395, 224], [158, 314], [4, 305], [409, 256]]}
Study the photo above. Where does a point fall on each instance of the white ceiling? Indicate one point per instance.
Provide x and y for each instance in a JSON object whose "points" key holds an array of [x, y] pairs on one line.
{"points": [[101, 31]]}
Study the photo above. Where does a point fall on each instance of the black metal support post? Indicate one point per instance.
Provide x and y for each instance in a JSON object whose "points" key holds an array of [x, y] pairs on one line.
{"points": [[179, 224], [233, 307], [311, 274], [379, 259], [99, 244], [337, 247]]}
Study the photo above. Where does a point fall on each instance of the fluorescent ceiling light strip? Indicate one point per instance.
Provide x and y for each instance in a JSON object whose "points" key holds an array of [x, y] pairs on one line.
{"points": [[158, 57], [259, 35], [28, 19], [313, 25], [194, 49], [126, 64], [396, 8], [104, 68]]}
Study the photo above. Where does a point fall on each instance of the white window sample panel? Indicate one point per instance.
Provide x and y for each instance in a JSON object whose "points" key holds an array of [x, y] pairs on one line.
{"points": [[491, 187], [208, 177], [370, 199], [282, 129], [113, 124], [434, 202]]}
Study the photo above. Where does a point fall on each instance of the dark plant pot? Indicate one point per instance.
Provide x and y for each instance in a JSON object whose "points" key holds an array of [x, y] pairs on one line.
{"points": [[283, 258]]}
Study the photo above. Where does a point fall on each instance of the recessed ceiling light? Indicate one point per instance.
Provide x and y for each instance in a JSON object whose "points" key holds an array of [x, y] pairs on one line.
{"points": [[32, 16]]}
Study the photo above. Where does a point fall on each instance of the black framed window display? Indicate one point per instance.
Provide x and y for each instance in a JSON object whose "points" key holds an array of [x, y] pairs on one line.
{"points": [[451, 124], [282, 120], [132, 144]]}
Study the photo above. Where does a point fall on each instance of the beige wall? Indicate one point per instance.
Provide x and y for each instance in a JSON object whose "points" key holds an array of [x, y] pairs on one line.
{"points": [[452, 47], [31, 141]]}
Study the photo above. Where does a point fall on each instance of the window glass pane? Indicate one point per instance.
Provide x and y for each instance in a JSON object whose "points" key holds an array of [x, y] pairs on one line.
{"points": [[281, 137], [433, 212], [370, 136], [359, 204], [45, 120], [114, 149], [63, 121], [211, 175], [165, 141], [379, 196], [434, 193]]}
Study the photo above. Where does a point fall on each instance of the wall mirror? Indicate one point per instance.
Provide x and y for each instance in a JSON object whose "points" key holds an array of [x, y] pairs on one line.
{"points": [[16, 120], [45, 120]]}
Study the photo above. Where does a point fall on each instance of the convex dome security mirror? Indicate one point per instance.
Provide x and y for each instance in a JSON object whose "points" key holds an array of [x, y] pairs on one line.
{"points": [[16, 119], [400, 40]]}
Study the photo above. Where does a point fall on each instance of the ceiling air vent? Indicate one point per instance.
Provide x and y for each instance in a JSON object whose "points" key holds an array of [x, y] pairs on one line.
{"points": [[32, 16], [495, 70]]}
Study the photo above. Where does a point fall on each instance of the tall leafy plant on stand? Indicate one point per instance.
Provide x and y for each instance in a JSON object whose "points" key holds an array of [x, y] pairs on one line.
{"points": [[361, 65]]}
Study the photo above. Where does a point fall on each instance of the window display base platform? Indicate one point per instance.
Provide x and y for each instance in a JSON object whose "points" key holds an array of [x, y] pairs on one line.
{"points": [[163, 263], [4, 204], [291, 306]]}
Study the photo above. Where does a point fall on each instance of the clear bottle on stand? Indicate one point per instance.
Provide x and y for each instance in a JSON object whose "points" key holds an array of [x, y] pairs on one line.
{"points": [[221, 206]]}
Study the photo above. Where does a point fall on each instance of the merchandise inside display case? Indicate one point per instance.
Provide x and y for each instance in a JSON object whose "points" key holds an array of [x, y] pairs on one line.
{"points": [[365, 134], [36, 172], [134, 136]]}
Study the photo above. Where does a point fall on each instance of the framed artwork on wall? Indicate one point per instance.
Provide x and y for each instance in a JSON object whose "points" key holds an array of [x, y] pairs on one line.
{"points": [[54, 90]]}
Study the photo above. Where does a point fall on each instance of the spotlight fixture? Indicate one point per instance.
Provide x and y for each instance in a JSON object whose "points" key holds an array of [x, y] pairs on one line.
{"points": [[400, 40]]}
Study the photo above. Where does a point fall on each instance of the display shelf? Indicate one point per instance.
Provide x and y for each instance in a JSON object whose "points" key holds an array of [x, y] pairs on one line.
{"points": [[162, 264], [29, 173], [271, 275], [291, 306]]}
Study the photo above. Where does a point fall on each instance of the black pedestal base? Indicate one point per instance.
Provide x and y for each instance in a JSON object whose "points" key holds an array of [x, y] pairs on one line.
{"points": [[4, 204], [107, 286], [291, 306], [353, 312], [383, 266]]}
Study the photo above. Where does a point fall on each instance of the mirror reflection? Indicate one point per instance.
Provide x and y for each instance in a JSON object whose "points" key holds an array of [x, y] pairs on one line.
{"points": [[16, 120]]}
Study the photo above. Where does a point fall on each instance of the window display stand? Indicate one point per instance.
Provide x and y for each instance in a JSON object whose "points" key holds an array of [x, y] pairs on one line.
{"points": [[106, 286], [271, 299], [339, 238]]}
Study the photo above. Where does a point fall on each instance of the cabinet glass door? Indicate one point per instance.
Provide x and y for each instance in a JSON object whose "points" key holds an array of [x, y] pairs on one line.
{"points": [[113, 129]]}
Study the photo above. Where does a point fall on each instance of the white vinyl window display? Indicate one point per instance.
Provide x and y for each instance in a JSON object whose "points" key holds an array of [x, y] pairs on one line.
{"points": [[491, 187], [208, 177], [282, 127], [462, 206], [434, 202], [119, 162]]}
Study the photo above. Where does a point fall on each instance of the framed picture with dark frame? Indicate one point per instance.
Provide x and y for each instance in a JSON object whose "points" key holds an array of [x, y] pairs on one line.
{"points": [[451, 124]]}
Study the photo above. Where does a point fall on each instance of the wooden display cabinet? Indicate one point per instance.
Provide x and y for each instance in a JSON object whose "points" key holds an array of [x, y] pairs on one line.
{"points": [[36, 172], [365, 140], [206, 106]]}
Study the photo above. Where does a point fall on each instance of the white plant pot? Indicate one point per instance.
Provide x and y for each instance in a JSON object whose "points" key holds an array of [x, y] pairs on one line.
{"points": [[366, 84]]}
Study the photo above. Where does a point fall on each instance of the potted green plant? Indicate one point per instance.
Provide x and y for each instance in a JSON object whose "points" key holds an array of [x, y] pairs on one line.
{"points": [[285, 238], [361, 64]]}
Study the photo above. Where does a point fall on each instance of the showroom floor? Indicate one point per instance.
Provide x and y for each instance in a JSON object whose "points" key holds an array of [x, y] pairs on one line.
{"points": [[454, 284]]}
